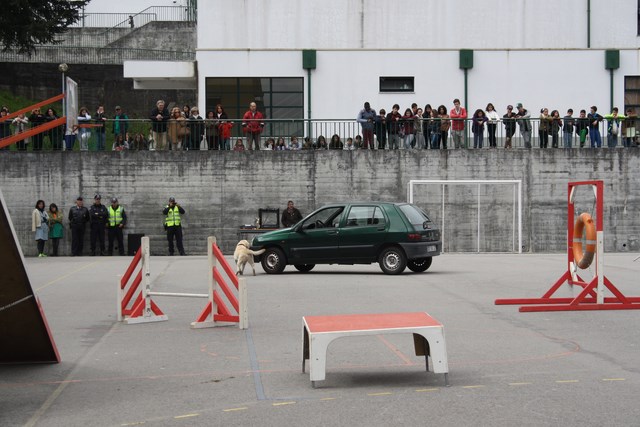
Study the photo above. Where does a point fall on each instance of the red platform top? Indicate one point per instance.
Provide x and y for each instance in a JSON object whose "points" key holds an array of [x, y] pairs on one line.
{"points": [[363, 322]]}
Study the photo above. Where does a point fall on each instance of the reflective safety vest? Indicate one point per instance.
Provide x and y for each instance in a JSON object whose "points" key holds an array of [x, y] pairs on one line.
{"points": [[173, 217], [115, 216]]}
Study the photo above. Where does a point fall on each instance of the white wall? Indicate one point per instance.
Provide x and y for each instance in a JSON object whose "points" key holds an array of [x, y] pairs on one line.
{"points": [[344, 79], [384, 24]]}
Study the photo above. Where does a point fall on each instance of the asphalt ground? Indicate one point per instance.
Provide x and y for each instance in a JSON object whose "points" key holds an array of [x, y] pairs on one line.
{"points": [[506, 368]]}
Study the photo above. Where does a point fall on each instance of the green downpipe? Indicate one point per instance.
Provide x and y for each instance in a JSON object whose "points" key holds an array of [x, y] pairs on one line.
{"points": [[611, 89], [466, 107], [589, 24], [309, 103]]}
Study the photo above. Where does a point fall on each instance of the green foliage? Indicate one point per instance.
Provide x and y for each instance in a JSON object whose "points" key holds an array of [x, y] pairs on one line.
{"points": [[26, 23]]}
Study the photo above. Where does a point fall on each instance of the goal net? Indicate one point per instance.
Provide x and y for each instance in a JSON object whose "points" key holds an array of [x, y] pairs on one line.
{"points": [[473, 215]]}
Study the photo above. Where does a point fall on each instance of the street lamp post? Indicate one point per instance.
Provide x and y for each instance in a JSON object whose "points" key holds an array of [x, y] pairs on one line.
{"points": [[63, 68]]}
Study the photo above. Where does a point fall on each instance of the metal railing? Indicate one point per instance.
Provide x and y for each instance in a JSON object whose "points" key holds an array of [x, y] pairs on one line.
{"points": [[92, 46], [95, 55], [131, 20], [313, 130]]}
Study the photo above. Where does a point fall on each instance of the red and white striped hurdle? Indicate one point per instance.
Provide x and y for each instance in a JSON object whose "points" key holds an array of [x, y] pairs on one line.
{"points": [[135, 303]]}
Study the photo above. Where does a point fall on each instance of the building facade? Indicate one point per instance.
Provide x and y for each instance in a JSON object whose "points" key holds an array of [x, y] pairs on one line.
{"points": [[543, 53]]}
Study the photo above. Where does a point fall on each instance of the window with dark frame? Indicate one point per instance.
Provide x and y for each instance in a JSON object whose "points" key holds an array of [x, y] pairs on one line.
{"points": [[278, 98], [632, 93], [397, 84]]}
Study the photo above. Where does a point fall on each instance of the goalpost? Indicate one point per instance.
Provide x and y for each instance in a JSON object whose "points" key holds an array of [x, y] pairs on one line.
{"points": [[516, 184]]}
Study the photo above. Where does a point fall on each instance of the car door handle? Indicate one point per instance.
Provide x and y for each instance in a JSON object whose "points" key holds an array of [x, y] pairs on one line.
{"points": [[381, 229], [332, 232]]}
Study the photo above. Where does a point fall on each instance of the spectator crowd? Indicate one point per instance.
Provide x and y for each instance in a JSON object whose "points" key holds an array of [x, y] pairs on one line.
{"points": [[415, 128]]}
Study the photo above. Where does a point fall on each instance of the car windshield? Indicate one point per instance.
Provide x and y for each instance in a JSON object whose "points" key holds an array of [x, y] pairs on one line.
{"points": [[329, 217], [415, 215]]}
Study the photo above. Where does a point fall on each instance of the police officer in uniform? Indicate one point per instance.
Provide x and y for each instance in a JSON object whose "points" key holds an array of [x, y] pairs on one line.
{"points": [[172, 223], [117, 221], [78, 217], [98, 220]]}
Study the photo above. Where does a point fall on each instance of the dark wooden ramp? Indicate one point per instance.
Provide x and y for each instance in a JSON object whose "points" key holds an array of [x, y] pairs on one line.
{"points": [[24, 334]]}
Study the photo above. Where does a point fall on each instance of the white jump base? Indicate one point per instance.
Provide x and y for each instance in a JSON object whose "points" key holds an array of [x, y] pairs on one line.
{"points": [[319, 331]]}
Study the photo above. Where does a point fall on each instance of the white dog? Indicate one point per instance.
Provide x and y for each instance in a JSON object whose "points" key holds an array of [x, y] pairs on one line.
{"points": [[243, 255]]}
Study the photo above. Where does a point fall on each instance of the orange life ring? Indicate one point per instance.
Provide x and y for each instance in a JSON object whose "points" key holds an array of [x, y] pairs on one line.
{"points": [[583, 253]]}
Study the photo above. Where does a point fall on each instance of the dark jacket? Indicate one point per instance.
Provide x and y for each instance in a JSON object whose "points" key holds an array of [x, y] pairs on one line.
{"points": [[393, 123], [159, 125], [78, 216], [290, 218], [98, 119], [581, 124], [98, 215]]}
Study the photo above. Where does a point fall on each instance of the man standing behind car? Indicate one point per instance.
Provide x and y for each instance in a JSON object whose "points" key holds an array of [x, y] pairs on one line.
{"points": [[291, 215], [78, 217], [173, 224]]}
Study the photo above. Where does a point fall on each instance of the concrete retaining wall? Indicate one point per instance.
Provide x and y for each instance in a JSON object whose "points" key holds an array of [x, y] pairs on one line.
{"points": [[222, 190]]}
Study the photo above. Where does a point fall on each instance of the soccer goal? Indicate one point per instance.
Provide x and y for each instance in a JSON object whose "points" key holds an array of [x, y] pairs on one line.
{"points": [[474, 215]]}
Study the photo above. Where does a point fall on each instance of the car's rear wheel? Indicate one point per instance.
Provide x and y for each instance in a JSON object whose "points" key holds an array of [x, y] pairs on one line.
{"points": [[392, 260], [273, 261], [419, 265], [304, 268]]}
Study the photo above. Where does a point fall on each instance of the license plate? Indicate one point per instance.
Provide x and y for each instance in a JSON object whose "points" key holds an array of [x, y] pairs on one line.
{"points": [[431, 248]]}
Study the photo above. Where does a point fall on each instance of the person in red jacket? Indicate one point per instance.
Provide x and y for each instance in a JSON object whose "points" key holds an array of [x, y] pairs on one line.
{"points": [[252, 124], [458, 116]]}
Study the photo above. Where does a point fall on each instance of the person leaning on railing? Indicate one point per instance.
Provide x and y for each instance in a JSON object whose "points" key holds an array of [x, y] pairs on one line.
{"points": [[36, 119], [120, 122], [20, 125], [629, 129], [159, 118], [5, 125], [84, 133], [509, 121], [458, 116]]}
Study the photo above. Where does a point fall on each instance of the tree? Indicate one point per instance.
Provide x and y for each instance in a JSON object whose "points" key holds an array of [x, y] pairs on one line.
{"points": [[27, 23]]}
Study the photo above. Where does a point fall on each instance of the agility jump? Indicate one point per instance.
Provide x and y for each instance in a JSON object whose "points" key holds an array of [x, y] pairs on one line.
{"points": [[135, 303], [581, 252]]}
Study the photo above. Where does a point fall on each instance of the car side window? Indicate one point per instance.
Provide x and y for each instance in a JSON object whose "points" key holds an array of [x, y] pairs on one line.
{"points": [[378, 217], [361, 216]]}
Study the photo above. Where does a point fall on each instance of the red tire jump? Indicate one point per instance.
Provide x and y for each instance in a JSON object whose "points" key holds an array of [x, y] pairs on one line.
{"points": [[580, 255]]}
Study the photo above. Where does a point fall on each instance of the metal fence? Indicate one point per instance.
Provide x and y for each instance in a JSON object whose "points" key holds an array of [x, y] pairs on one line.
{"points": [[132, 20], [316, 130], [95, 55]]}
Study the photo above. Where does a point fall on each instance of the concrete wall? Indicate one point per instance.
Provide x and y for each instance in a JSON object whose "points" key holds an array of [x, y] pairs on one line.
{"points": [[221, 191]]}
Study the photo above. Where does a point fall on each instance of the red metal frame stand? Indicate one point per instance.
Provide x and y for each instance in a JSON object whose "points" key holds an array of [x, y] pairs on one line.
{"points": [[592, 295]]}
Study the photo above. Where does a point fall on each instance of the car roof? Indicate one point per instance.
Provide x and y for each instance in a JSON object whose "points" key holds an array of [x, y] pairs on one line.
{"points": [[363, 203]]}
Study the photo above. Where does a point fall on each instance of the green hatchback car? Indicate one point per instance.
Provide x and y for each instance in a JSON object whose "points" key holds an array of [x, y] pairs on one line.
{"points": [[395, 235]]}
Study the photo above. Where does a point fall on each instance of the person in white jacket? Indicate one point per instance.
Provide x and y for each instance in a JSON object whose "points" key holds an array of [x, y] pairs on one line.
{"points": [[84, 133], [492, 124]]}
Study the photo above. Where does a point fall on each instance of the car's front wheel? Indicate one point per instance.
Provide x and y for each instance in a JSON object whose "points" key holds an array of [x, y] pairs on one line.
{"points": [[419, 265], [273, 261], [392, 260], [304, 268]]}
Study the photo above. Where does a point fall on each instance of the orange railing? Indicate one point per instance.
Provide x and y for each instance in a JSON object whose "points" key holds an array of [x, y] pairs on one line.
{"points": [[5, 142]]}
